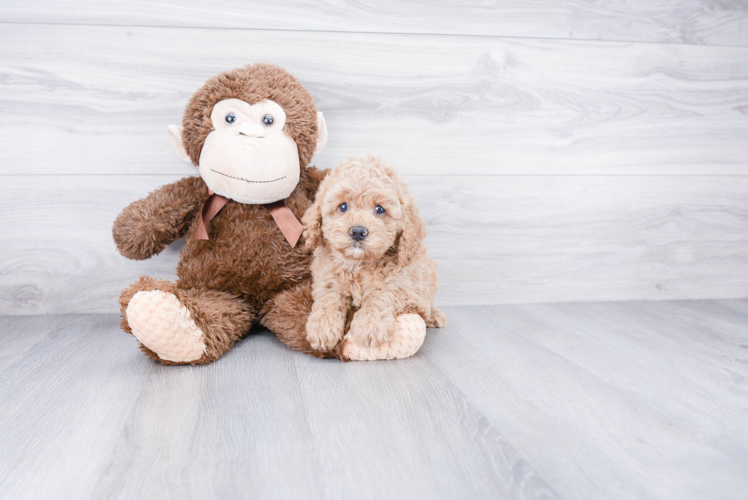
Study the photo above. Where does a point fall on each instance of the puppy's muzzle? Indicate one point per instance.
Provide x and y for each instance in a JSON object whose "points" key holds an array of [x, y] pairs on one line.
{"points": [[358, 233]]}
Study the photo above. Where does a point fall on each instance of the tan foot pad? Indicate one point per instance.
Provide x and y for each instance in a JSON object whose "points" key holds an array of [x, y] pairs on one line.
{"points": [[408, 338], [162, 324]]}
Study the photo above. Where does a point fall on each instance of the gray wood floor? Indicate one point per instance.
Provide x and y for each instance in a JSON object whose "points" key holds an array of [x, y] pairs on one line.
{"points": [[597, 400]]}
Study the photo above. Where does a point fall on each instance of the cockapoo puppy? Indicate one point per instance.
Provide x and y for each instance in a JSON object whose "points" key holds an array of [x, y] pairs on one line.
{"points": [[369, 262]]}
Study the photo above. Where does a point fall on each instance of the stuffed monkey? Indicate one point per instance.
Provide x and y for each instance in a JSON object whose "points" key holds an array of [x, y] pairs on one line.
{"points": [[252, 133]]}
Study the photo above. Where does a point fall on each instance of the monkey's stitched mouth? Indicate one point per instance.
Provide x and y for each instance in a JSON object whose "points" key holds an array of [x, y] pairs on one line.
{"points": [[247, 180]]}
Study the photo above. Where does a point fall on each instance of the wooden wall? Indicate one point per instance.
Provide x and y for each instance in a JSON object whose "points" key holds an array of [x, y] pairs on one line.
{"points": [[559, 150]]}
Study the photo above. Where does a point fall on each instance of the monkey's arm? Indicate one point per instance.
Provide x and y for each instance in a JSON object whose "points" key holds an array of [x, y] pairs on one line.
{"points": [[149, 225]]}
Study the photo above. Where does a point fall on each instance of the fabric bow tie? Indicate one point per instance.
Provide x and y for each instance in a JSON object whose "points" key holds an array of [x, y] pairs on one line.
{"points": [[283, 216]]}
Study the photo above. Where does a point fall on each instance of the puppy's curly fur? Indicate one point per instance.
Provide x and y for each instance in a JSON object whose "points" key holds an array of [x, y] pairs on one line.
{"points": [[377, 278]]}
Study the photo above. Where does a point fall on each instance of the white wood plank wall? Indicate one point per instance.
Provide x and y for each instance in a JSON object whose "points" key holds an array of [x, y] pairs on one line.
{"points": [[560, 151]]}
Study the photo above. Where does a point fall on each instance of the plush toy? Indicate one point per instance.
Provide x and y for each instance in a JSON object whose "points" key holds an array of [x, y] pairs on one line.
{"points": [[252, 133]]}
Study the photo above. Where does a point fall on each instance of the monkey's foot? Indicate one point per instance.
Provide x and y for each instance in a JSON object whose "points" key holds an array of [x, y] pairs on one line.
{"points": [[162, 324], [405, 342]]}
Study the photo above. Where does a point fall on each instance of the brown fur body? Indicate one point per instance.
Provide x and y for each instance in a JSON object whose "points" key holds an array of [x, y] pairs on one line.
{"points": [[247, 254], [246, 272]]}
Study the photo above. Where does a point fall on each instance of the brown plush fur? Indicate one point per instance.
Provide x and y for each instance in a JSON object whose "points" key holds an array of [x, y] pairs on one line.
{"points": [[288, 312], [246, 272], [387, 274], [149, 225]]}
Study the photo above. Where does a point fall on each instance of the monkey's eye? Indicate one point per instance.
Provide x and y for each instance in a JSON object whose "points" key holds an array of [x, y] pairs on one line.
{"points": [[343, 208], [230, 118], [268, 120], [379, 210]]}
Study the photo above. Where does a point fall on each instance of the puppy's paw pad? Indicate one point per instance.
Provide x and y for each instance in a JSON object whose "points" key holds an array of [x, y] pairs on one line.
{"points": [[162, 324]]}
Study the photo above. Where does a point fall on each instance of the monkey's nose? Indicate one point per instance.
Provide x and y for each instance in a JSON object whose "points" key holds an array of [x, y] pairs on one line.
{"points": [[251, 130], [359, 233]]}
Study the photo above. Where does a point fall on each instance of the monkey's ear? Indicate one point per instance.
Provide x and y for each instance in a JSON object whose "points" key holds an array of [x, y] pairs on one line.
{"points": [[175, 138], [321, 133]]}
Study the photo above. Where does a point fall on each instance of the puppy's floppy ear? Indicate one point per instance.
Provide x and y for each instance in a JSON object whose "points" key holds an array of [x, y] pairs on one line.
{"points": [[413, 233], [312, 218], [414, 229]]}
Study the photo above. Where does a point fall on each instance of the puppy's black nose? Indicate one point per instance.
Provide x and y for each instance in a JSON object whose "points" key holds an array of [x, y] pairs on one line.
{"points": [[358, 233]]}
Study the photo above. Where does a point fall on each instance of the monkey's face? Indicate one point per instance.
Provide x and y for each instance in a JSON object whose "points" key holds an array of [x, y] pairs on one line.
{"points": [[248, 157]]}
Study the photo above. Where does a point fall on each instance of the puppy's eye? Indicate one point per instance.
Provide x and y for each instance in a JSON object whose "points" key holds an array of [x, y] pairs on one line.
{"points": [[268, 120], [379, 210], [230, 118], [343, 208]]}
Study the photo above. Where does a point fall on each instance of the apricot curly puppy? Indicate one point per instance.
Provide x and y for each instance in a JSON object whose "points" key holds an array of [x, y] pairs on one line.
{"points": [[369, 261]]}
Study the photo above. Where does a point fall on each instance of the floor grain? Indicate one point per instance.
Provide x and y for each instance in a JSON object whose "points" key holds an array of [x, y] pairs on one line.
{"points": [[602, 400]]}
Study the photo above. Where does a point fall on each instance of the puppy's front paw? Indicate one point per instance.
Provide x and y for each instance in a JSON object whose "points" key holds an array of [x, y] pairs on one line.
{"points": [[405, 342], [324, 331], [372, 328]]}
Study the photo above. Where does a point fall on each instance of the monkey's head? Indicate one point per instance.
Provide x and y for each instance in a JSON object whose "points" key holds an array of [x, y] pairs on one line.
{"points": [[250, 131]]}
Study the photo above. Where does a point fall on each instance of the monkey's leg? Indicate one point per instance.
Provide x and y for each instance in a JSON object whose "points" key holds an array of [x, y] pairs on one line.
{"points": [[285, 315], [177, 326]]}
